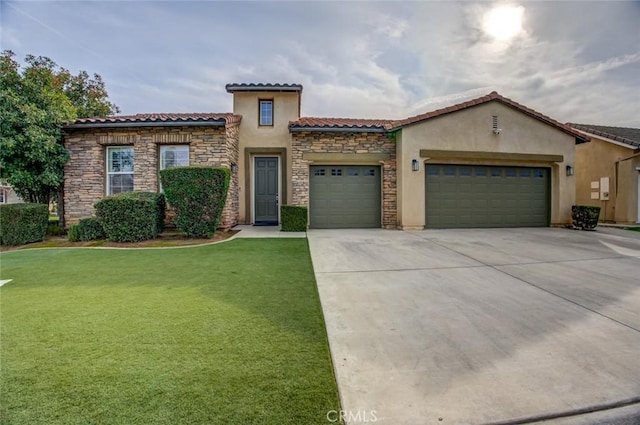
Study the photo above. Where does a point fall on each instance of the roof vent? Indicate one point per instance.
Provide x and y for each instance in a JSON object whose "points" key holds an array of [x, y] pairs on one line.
{"points": [[494, 125]]}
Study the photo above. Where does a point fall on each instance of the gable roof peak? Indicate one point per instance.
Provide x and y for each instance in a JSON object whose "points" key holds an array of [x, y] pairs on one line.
{"points": [[493, 96]]}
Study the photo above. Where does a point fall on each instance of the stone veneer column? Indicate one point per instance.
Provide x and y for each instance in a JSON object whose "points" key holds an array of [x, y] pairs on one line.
{"points": [[353, 142]]}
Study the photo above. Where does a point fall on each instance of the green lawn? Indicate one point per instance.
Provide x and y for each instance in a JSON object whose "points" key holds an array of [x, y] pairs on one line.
{"points": [[222, 334]]}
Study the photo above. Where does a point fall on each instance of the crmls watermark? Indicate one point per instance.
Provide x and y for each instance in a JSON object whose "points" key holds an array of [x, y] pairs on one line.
{"points": [[349, 416]]}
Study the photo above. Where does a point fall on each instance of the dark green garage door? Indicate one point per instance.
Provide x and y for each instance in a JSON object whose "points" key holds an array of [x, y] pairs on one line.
{"points": [[344, 196], [486, 196]]}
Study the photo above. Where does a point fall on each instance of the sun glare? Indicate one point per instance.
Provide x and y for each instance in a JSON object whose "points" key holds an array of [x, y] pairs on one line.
{"points": [[503, 22]]}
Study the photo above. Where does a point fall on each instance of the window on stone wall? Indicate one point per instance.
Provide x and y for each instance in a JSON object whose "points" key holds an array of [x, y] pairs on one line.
{"points": [[119, 169], [266, 112], [173, 156]]}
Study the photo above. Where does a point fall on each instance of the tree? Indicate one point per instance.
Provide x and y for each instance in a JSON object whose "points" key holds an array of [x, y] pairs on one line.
{"points": [[35, 102]]}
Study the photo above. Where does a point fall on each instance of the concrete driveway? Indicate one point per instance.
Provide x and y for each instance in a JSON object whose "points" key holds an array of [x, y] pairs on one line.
{"points": [[482, 326]]}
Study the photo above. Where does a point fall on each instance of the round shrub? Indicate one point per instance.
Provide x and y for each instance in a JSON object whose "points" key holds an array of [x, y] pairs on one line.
{"points": [[73, 233], [90, 229], [198, 195], [131, 216]]}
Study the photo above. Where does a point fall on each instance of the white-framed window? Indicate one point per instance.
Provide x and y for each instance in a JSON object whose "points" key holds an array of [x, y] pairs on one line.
{"points": [[3, 195], [119, 169], [266, 112], [174, 156]]}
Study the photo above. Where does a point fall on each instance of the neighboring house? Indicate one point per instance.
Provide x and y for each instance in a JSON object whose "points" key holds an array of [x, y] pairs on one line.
{"points": [[608, 172], [8, 195], [488, 162]]}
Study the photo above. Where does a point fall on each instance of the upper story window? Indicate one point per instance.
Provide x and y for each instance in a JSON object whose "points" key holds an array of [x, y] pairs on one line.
{"points": [[265, 112], [119, 169]]}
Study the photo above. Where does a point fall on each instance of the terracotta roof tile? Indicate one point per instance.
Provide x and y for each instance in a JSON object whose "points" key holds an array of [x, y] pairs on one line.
{"points": [[169, 118], [493, 96], [233, 87], [345, 124], [340, 123], [629, 136]]}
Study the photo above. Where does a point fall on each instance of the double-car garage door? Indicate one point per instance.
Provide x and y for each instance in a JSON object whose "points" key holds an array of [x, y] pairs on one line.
{"points": [[344, 196], [456, 196], [486, 196]]}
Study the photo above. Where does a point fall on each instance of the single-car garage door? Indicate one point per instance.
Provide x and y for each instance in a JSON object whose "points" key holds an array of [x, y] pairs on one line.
{"points": [[486, 196], [344, 196]]}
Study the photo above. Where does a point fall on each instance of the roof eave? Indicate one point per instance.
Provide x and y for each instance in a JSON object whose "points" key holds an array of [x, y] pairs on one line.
{"points": [[578, 137], [130, 124], [297, 129], [267, 89]]}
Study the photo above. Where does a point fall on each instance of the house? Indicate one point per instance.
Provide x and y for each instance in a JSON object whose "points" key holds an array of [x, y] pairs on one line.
{"points": [[608, 172], [8, 195], [488, 162]]}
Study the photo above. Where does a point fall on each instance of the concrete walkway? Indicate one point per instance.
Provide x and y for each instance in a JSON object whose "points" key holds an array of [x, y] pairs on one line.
{"points": [[482, 326], [249, 231]]}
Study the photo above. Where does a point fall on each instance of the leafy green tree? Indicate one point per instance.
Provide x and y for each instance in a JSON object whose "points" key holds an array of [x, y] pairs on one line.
{"points": [[35, 102]]}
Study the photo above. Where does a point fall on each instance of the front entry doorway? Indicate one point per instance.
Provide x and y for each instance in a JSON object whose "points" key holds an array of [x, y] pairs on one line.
{"points": [[266, 190]]}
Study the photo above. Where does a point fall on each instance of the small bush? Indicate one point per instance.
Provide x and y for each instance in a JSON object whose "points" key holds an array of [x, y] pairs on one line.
{"points": [[73, 233], [198, 195], [23, 223], [87, 229], [585, 217], [131, 216], [293, 218], [54, 230]]}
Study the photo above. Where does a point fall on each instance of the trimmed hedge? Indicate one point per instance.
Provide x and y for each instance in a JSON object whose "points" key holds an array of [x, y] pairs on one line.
{"points": [[198, 195], [293, 218], [23, 223], [585, 217], [131, 216], [87, 229]]}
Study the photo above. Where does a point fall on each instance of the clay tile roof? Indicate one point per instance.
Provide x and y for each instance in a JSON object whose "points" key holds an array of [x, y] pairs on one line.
{"points": [[266, 87], [340, 124], [493, 96], [185, 119], [629, 136]]}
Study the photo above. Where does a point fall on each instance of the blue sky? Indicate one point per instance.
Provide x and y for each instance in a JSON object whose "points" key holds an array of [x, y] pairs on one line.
{"points": [[574, 61]]}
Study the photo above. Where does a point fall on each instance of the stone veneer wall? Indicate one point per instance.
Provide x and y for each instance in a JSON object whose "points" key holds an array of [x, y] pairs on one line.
{"points": [[333, 142], [85, 173]]}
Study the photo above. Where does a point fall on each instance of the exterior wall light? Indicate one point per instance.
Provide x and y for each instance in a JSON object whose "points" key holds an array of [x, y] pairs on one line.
{"points": [[234, 167], [569, 170], [415, 165]]}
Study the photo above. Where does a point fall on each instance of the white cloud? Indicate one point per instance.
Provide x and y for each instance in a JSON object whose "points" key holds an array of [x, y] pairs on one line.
{"points": [[572, 61]]}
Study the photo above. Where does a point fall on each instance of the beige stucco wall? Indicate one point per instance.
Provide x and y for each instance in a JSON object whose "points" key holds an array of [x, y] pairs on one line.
{"points": [[598, 159], [627, 208], [286, 107], [471, 130]]}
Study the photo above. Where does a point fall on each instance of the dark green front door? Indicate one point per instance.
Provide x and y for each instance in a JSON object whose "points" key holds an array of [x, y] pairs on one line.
{"points": [[344, 196], [486, 196], [266, 190]]}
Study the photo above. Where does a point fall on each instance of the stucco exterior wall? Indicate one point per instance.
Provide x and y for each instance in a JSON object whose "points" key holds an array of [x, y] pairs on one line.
{"points": [[85, 173], [471, 130], [597, 159], [627, 209], [252, 137], [350, 144]]}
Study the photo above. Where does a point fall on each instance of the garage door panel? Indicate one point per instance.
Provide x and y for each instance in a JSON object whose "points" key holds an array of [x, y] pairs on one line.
{"points": [[486, 196], [346, 196]]}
